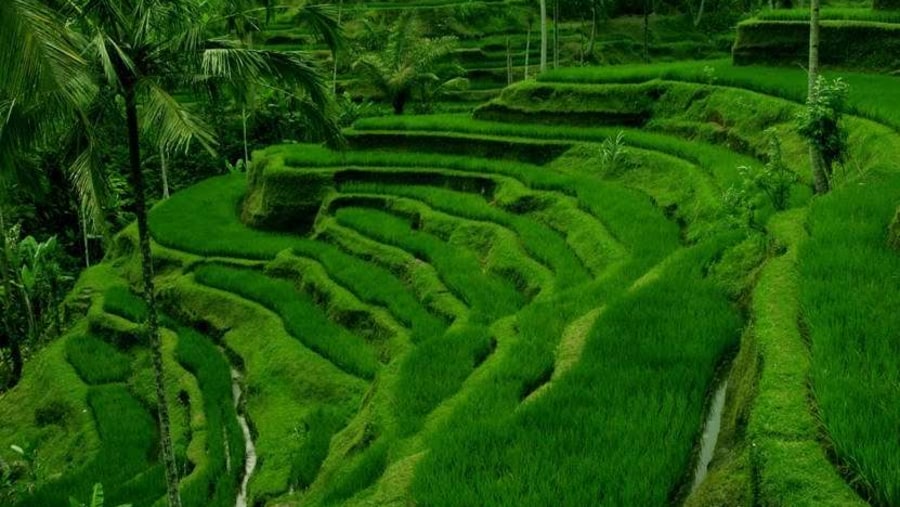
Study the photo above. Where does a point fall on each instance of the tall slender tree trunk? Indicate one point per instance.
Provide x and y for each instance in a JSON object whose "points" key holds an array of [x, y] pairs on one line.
{"points": [[816, 160], [556, 34], [152, 325], [593, 40], [647, 30], [699, 17], [334, 55], [544, 41], [164, 172], [14, 342], [527, 49], [82, 216], [509, 75], [244, 126]]}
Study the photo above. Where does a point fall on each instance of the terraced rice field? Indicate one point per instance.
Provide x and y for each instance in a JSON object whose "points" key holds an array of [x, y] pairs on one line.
{"points": [[487, 311]]}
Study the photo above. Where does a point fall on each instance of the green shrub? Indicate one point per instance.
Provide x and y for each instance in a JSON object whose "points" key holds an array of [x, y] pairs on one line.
{"points": [[820, 123]]}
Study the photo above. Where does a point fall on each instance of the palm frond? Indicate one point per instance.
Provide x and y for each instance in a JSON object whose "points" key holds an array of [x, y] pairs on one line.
{"points": [[170, 123], [24, 127], [109, 14], [322, 20], [88, 177], [319, 120], [243, 65], [40, 54], [373, 68], [98, 43]]}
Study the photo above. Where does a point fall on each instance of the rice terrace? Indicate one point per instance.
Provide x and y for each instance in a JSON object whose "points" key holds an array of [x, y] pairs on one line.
{"points": [[449, 253]]}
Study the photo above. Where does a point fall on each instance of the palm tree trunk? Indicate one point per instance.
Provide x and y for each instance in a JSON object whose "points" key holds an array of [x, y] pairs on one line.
{"points": [[140, 210], [244, 124], [399, 102], [15, 348], [544, 35], [816, 160], [82, 217], [527, 49], [647, 30], [509, 77], [165, 175], [590, 50], [699, 16], [334, 55], [556, 34]]}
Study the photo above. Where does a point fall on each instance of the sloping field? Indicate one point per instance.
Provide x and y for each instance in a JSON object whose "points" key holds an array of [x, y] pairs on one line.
{"points": [[507, 308]]}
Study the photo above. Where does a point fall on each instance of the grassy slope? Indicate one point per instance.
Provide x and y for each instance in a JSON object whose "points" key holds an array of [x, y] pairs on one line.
{"points": [[466, 405]]}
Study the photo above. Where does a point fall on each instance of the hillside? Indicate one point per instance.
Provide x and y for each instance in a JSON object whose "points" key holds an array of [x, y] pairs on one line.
{"points": [[605, 284]]}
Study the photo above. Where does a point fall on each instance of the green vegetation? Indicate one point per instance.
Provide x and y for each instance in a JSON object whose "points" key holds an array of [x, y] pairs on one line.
{"points": [[847, 254], [582, 280], [301, 316], [96, 361], [868, 44]]}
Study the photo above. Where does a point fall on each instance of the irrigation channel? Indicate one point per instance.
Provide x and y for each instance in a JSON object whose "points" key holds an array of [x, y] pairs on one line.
{"points": [[250, 460], [710, 434]]}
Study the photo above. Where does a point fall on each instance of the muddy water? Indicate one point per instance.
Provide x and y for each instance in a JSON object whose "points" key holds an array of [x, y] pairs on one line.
{"points": [[250, 459], [710, 435]]}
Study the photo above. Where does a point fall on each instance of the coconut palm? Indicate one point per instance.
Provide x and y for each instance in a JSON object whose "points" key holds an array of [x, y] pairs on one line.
{"points": [[409, 62], [245, 19], [816, 158], [144, 49], [42, 80], [543, 35]]}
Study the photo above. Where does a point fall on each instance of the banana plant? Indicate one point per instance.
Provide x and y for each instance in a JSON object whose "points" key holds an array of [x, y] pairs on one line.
{"points": [[97, 499]]}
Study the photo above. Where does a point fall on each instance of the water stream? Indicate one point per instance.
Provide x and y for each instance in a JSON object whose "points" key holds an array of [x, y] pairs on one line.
{"points": [[250, 459], [710, 435]]}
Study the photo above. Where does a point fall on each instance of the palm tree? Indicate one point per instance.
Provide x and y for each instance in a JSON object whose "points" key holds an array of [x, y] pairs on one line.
{"points": [[142, 50], [816, 158], [42, 78], [244, 19], [543, 35], [409, 62]]}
